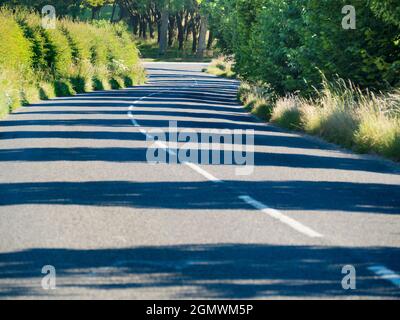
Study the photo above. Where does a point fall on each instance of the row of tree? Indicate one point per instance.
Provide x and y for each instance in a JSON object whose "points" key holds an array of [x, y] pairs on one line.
{"points": [[288, 44], [291, 44], [171, 21], [174, 20]]}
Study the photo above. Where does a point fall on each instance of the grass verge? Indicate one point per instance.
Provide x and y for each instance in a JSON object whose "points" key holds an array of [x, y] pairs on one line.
{"points": [[340, 113], [221, 67]]}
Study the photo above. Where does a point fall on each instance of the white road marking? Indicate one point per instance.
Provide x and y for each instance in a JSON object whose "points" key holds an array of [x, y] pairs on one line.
{"points": [[134, 122], [281, 217], [203, 172], [386, 274], [381, 271], [258, 205]]}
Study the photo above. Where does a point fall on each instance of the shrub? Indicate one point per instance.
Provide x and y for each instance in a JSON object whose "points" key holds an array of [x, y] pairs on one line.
{"points": [[379, 127], [222, 67], [79, 39], [74, 57], [15, 49], [287, 113], [63, 88], [15, 63], [59, 55]]}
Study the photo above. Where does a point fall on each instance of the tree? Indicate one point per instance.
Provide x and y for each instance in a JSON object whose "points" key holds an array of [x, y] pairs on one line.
{"points": [[164, 27], [203, 28]]}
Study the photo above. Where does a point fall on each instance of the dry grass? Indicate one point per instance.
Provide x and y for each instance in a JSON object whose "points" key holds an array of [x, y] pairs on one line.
{"points": [[344, 115], [257, 99], [222, 67], [340, 113]]}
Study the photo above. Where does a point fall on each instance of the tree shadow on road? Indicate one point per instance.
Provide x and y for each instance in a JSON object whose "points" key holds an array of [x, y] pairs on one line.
{"points": [[215, 271], [282, 195]]}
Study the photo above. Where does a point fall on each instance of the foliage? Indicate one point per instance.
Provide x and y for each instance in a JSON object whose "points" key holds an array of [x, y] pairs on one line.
{"points": [[37, 63], [291, 43]]}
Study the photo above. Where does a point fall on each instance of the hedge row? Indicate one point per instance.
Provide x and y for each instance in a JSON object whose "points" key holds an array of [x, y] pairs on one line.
{"points": [[76, 57]]}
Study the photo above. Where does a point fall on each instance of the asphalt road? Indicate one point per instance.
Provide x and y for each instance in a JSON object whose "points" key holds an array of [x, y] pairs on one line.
{"points": [[77, 193]]}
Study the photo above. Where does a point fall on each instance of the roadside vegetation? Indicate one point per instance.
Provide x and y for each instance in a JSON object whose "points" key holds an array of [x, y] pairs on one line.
{"points": [[222, 67], [76, 57], [167, 30], [340, 113], [300, 66], [292, 57]]}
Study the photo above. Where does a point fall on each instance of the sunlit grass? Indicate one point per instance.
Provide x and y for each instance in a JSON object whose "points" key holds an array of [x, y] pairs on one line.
{"points": [[339, 113], [222, 67], [75, 57]]}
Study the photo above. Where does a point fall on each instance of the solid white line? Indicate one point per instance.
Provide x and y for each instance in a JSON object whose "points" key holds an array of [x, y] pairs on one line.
{"points": [[281, 217], [386, 274]]}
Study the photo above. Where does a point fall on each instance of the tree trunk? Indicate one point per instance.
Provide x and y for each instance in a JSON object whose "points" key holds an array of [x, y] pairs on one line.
{"points": [[187, 23], [135, 24], [194, 32], [144, 27], [202, 37], [186, 27], [181, 30], [164, 30], [140, 26], [113, 12], [171, 30], [210, 40], [95, 12], [151, 26]]}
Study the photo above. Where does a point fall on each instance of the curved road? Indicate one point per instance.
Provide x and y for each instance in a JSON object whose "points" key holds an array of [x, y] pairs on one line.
{"points": [[77, 193]]}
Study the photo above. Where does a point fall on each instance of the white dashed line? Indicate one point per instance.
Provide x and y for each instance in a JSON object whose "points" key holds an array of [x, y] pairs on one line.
{"points": [[281, 217], [379, 270], [203, 172], [254, 203]]}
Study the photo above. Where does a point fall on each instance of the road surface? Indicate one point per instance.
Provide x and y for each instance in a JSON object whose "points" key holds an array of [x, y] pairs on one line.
{"points": [[77, 193]]}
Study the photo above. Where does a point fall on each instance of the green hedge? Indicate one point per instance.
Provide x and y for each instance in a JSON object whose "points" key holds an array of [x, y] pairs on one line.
{"points": [[75, 57], [292, 44]]}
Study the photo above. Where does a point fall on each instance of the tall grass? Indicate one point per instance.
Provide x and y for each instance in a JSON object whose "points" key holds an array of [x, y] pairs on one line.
{"points": [[340, 113], [222, 67], [258, 99], [37, 63]]}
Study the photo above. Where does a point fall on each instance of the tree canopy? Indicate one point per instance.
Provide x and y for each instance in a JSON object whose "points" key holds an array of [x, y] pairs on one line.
{"points": [[289, 44]]}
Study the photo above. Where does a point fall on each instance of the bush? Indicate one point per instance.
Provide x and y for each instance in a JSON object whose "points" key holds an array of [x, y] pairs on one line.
{"points": [[287, 113], [15, 49], [75, 57], [59, 54], [63, 88], [222, 67], [79, 39], [258, 99], [286, 42]]}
